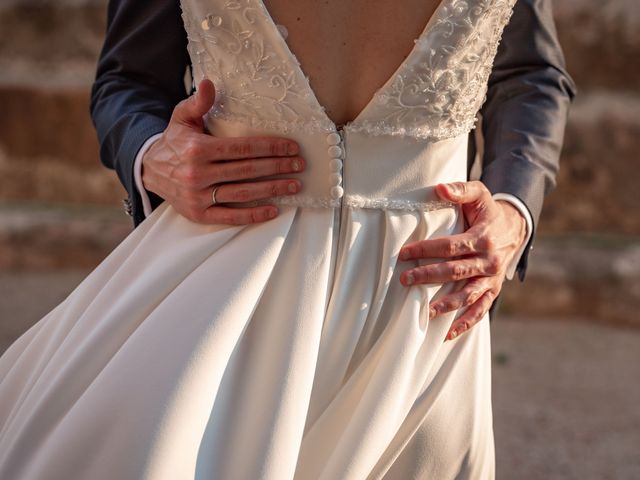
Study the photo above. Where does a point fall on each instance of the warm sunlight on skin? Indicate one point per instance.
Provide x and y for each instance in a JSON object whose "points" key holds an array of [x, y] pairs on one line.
{"points": [[496, 231]]}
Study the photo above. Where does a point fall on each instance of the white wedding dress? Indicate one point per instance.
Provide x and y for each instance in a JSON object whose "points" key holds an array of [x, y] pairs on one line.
{"points": [[287, 349]]}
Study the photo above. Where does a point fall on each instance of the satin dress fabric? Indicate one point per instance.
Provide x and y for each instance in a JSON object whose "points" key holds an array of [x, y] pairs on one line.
{"points": [[286, 349]]}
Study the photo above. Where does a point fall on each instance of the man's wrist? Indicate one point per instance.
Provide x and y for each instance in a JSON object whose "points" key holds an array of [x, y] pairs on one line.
{"points": [[137, 173], [511, 203], [517, 217]]}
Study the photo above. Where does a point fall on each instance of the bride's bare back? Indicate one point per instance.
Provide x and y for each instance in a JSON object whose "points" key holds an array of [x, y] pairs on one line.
{"points": [[350, 48]]}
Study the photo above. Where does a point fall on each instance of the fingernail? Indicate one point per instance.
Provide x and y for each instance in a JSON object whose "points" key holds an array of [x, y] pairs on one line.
{"points": [[404, 254], [295, 165], [432, 312], [408, 279], [453, 334], [292, 187]]}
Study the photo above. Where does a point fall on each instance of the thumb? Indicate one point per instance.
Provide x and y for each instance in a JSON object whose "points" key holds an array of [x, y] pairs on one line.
{"points": [[193, 108], [462, 192]]}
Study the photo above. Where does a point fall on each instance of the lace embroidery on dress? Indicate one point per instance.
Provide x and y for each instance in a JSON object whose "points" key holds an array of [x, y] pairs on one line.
{"points": [[441, 86], [255, 81], [434, 94]]}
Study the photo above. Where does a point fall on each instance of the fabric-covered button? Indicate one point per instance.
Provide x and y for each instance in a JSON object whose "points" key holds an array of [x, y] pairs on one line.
{"points": [[335, 178], [337, 192], [335, 165], [335, 151], [283, 30], [211, 21], [333, 139]]}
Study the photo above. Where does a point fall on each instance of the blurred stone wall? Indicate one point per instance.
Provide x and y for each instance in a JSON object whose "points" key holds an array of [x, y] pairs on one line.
{"points": [[599, 179], [48, 146]]}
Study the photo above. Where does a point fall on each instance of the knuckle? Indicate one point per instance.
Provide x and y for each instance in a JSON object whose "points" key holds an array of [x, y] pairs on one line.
{"points": [[193, 149], [407, 252], [458, 271], [246, 170], [494, 265], [478, 313], [480, 186], [279, 147], [459, 326], [471, 296], [450, 249], [258, 215], [485, 303], [466, 245], [422, 250], [448, 304], [240, 148], [242, 194], [422, 274], [275, 148], [485, 243]]}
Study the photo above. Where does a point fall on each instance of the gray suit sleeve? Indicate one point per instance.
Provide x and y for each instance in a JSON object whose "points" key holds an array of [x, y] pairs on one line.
{"points": [[139, 80], [525, 112]]}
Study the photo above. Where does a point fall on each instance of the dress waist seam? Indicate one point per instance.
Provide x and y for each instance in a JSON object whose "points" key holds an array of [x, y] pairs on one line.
{"points": [[353, 201]]}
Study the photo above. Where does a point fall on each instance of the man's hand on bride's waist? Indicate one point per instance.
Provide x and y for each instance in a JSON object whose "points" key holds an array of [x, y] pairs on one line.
{"points": [[480, 255], [185, 165]]}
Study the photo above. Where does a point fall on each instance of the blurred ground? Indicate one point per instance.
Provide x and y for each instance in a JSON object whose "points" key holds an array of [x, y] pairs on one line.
{"points": [[565, 392], [565, 396]]}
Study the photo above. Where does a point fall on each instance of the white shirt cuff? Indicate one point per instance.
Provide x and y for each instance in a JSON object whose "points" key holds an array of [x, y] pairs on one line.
{"points": [[516, 202], [137, 173]]}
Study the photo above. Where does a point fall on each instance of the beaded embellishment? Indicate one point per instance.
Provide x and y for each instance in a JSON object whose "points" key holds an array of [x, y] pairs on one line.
{"points": [[434, 94]]}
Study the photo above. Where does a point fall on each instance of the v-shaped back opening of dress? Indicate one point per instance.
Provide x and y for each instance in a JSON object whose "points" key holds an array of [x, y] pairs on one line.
{"points": [[295, 61], [434, 93]]}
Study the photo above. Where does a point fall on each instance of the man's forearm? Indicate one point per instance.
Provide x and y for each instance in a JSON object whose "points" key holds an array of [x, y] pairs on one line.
{"points": [[139, 80], [525, 112]]}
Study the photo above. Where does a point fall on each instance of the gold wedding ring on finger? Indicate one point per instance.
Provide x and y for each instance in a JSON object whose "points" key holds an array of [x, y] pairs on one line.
{"points": [[213, 194]]}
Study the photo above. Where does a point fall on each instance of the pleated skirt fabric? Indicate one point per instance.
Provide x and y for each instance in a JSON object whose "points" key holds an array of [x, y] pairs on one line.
{"points": [[281, 350]]}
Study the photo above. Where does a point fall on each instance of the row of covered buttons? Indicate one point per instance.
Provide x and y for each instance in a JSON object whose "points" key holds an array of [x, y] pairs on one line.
{"points": [[335, 165]]}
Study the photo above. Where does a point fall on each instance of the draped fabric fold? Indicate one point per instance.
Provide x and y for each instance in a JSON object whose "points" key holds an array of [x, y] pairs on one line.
{"points": [[286, 349]]}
